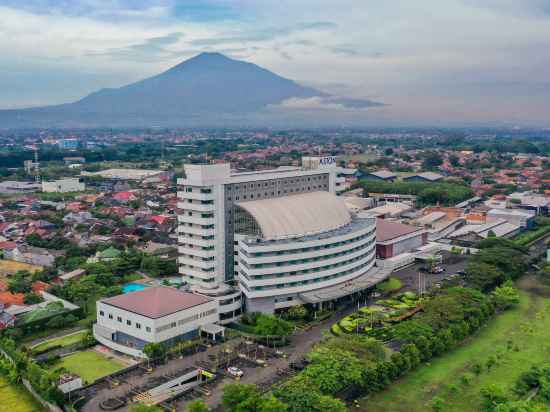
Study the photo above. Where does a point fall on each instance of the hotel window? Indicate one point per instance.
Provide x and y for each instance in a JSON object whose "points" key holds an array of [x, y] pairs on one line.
{"points": [[110, 316], [138, 325], [101, 313], [119, 318], [148, 329], [129, 322]]}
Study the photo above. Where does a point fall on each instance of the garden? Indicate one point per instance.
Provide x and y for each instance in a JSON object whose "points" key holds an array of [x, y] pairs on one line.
{"points": [[376, 321], [89, 365]]}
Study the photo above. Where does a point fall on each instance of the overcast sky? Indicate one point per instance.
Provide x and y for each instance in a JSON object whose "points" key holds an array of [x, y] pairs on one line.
{"points": [[433, 62]]}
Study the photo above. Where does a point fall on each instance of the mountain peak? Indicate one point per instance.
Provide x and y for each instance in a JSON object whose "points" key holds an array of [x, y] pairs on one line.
{"points": [[203, 60]]}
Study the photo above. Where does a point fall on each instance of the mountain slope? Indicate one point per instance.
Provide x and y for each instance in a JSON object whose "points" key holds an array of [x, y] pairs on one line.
{"points": [[198, 91]]}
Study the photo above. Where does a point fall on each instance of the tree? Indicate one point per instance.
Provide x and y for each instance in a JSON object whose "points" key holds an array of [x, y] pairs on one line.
{"points": [[236, 393], [154, 350], [432, 160], [483, 276], [272, 404], [32, 298], [332, 370], [269, 325], [492, 396], [297, 312], [438, 404], [442, 310], [20, 283], [505, 296], [197, 405], [301, 395], [454, 160]]}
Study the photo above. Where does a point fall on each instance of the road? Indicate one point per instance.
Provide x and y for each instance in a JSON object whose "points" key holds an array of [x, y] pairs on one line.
{"points": [[300, 344]]}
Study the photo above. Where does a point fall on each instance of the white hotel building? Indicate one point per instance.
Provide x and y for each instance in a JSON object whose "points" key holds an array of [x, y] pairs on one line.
{"points": [[210, 197]]}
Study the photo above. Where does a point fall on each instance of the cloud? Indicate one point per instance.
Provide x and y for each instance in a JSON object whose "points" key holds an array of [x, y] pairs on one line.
{"points": [[262, 35], [424, 57], [326, 103], [154, 48]]}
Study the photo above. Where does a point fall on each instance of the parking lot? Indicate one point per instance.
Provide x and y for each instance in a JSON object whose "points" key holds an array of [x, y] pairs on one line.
{"points": [[410, 278]]}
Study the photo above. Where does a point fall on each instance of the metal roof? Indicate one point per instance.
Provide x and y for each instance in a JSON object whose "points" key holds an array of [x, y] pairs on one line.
{"points": [[298, 215], [156, 302], [386, 230]]}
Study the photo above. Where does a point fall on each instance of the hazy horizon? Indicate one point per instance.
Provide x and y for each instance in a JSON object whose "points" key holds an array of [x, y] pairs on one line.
{"points": [[464, 62]]}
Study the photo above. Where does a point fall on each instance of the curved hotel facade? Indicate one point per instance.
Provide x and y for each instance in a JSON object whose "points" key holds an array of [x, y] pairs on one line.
{"points": [[274, 235], [290, 248]]}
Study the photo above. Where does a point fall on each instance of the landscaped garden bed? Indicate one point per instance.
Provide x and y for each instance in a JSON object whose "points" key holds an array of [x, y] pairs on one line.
{"points": [[376, 320]]}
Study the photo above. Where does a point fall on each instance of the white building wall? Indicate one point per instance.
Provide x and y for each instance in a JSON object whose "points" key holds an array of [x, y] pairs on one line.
{"points": [[153, 334], [63, 186], [273, 285]]}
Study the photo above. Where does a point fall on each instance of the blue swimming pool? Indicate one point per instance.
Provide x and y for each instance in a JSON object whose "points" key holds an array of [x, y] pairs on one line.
{"points": [[133, 287]]}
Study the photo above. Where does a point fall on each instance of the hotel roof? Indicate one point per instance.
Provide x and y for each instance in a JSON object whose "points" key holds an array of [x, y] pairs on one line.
{"points": [[298, 215], [156, 302]]}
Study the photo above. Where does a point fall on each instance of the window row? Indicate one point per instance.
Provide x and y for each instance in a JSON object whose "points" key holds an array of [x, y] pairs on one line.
{"points": [[128, 321], [307, 271]]}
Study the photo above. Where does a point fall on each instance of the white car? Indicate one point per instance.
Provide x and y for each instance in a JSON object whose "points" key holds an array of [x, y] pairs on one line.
{"points": [[235, 372]]}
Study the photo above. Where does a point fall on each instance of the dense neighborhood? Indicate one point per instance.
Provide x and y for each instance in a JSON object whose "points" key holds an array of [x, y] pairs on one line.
{"points": [[269, 271]]}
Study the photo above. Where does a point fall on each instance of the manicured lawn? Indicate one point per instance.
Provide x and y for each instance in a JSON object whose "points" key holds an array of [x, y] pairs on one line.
{"points": [[528, 329], [15, 398], [62, 341], [89, 365]]}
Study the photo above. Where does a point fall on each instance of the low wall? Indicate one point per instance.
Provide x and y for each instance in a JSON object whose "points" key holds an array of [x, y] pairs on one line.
{"points": [[47, 405]]}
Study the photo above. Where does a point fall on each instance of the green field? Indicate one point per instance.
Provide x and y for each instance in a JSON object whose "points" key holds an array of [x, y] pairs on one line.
{"points": [[61, 341], [89, 365], [528, 329], [14, 398]]}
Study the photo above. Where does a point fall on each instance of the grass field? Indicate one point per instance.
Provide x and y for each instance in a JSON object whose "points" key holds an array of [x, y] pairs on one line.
{"points": [[9, 267], [61, 341], [89, 365], [528, 329], [14, 398]]}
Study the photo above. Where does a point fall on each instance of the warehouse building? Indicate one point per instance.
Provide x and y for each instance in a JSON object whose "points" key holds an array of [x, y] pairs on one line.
{"points": [[393, 238], [127, 322]]}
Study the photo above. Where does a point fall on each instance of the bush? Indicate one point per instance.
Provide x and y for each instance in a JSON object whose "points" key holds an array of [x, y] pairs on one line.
{"points": [[389, 286]]}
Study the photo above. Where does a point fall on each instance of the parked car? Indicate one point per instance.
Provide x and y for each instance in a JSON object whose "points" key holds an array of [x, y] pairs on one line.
{"points": [[235, 372]]}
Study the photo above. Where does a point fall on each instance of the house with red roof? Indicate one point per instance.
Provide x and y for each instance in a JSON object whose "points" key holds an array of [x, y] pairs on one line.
{"points": [[124, 197]]}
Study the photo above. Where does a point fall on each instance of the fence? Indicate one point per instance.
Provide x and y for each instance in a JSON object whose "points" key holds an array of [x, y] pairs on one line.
{"points": [[27, 384]]}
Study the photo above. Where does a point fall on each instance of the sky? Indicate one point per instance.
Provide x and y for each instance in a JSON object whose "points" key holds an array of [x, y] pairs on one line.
{"points": [[431, 62]]}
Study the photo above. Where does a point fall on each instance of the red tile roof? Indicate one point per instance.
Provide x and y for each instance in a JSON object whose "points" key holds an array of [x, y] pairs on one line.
{"points": [[40, 286], [160, 219], [9, 298], [123, 196], [386, 230], [8, 245], [156, 302]]}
